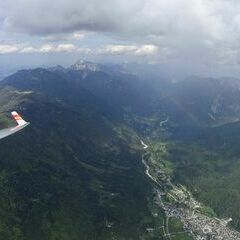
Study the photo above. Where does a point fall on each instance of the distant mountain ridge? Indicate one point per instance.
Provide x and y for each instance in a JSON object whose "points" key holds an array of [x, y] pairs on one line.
{"points": [[213, 101]]}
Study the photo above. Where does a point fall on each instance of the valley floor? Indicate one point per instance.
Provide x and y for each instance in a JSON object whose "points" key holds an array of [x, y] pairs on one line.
{"points": [[179, 204]]}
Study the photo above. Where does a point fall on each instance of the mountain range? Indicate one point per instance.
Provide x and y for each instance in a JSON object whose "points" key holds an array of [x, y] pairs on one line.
{"points": [[76, 172]]}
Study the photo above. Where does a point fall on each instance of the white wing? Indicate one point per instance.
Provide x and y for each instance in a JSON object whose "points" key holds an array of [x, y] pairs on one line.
{"points": [[20, 125]]}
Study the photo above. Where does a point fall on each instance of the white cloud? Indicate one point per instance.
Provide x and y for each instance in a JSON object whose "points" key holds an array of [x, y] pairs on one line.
{"points": [[142, 50], [46, 48], [117, 49], [129, 50], [50, 48], [6, 49], [146, 50], [28, 49], [76, 36], [66, 48]]}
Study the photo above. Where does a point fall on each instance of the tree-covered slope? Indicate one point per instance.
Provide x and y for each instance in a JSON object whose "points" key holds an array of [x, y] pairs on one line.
{"points": [[75, 172]]}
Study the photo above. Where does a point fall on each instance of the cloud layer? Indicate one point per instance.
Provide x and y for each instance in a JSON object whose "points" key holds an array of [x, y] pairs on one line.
{"points": [[203, 32], [130, 50], [208, 18], [143, 50]]}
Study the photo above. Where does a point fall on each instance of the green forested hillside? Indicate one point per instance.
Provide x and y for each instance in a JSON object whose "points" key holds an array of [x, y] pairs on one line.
{"points": [[210, 165], [76, 172]]}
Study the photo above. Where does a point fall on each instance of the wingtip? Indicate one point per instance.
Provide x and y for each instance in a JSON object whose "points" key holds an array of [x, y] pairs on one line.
{"points": [[18, 118]]}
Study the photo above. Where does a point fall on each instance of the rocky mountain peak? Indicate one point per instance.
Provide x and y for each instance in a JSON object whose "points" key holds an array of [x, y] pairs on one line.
{"points": [[82, 65]]}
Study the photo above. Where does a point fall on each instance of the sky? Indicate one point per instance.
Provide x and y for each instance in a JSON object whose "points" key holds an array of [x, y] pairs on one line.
{"points": [[189, 37]]}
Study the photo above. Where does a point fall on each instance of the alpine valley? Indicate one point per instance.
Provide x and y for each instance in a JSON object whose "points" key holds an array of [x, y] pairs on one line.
{"points": [[113, 155]]}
